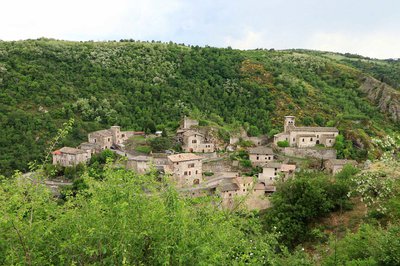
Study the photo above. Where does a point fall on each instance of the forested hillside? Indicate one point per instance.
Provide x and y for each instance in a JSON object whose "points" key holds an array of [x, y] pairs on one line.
{"points": [[136, 85]]}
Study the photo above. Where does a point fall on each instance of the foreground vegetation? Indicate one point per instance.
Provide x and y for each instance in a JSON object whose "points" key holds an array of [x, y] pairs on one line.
{"points": [[114, 216]]}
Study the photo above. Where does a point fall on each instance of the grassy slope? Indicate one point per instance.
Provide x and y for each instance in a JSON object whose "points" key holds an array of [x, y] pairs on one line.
{"points": [[133, 84]]}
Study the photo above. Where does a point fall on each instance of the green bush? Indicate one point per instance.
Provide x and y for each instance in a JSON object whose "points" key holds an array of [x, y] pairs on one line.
{"points": [[283, 143]]}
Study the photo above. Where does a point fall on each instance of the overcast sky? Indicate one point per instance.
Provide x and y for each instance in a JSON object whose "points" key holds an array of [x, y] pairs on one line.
{"points": [[365, 27]]}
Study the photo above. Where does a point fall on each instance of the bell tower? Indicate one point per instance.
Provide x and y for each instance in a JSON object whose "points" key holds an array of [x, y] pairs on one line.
{"points": [[289, 121]]}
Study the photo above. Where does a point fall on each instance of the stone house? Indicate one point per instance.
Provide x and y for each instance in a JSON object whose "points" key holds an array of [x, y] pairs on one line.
{"points": [[68, 156], [303, 137], [334, 166], [272, 170], [245, 190], [186, 168], [107, 138], [140, 164], [194, 141], [92, 148], [260, 155]]}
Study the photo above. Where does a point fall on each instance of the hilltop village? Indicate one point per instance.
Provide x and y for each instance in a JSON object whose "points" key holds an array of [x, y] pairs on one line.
{"points": [[207, 167]]}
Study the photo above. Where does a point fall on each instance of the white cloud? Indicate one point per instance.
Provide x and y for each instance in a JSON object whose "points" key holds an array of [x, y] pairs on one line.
{"points": [[249, 40], [376, 44]]}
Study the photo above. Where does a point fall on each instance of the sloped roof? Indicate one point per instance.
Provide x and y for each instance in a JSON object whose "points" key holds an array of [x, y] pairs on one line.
{"points": [[191, 133], [181, 157], [261, 150], [70, 150], [101, 133], [314, 129], [228, 187]]}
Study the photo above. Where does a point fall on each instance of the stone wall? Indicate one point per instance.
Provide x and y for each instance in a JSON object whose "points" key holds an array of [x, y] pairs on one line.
{"points": [[310, 152]]}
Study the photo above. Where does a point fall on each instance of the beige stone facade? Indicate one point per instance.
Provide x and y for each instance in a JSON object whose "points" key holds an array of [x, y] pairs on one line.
{"points": [[68, 156], [188, 123], [186, 169], [193, 141], [244, 192], [140, 164], [260, 155], [107, 138], [334, 166], [271, 171], [304, 137]]}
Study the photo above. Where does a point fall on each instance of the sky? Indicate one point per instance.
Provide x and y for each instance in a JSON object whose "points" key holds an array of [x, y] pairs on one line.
{"points": [[365, 27]]}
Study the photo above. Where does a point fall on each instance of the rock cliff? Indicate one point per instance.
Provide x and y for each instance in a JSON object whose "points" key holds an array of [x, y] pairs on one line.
{"points": [[383, 95]]}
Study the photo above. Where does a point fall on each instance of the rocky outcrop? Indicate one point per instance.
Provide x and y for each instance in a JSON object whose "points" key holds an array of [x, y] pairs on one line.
{"points": [[383, 95]]}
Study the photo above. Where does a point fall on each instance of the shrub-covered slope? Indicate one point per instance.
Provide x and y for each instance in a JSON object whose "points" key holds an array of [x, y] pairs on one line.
{"points": [[44, 82]]}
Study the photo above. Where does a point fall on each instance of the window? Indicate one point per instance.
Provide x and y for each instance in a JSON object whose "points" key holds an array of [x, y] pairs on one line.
{"points": [[109, 139], [330, 141], [185, 173], [95, 140], [311, 139], [194, 141], [190, 173], [244, 190], [258, 158], [123, 135], [196, 172], [294, 139], [317, 136], [191, 165], [303, 140]]}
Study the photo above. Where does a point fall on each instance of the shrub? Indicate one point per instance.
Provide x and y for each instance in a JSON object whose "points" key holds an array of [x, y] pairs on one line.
{"points": [[283, 143]]}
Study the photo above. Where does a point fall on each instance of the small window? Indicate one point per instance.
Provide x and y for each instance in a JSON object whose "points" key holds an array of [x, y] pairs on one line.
{"points": [[109, 139], [294, 139], [185, 173], [258, 158], [330, 141], [303, 140], [244, 190], [194, 141], [191, 165], [123, 135], [190, 173], [311, 139], [230, 194]]}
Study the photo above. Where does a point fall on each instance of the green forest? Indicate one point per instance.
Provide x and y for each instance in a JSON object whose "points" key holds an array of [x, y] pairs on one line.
{"points": [[140, 86]]}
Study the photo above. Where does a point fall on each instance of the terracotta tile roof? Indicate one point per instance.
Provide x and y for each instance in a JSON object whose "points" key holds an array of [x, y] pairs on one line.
{"points": [[181, 157]]}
